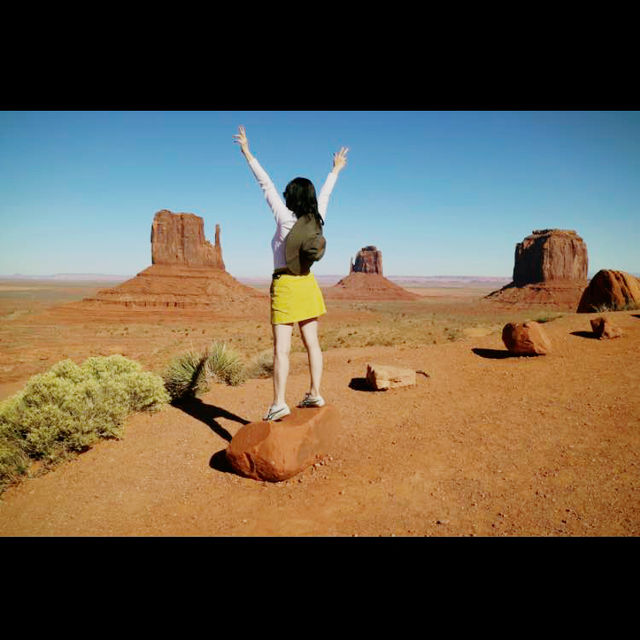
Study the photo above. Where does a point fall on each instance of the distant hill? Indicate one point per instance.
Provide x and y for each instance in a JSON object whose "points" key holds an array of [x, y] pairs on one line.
{"points": [[69, 276]]}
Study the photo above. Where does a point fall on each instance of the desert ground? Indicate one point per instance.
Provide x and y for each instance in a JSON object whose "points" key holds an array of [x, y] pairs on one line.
{"points": [[485, 444]]}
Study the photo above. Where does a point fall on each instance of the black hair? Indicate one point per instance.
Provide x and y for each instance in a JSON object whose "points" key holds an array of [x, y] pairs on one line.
{"points": [[300, 197]]}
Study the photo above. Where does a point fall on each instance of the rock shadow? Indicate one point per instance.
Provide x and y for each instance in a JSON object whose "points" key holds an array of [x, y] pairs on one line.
{"points": [[360, 384], [208, 413], [585, 334], [219, 462], [495, 354], [636, 315]]}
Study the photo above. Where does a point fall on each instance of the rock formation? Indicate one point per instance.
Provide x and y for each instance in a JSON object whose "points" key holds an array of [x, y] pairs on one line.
{"points": [[187, 272], [526, 339], [550, 269], [366, 282], [275, 451], [178, 238], [382, 377], [615, 290], [604, 329], [368, 260]]}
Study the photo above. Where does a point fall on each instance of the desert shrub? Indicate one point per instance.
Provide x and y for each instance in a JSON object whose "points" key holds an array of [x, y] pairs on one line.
{"points": [[186, 375], [547, 317], [14, 462], [225, 364], [261, 365], [70, 407]]}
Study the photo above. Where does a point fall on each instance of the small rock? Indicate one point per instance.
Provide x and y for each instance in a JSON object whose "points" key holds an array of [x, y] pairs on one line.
{"points": [[382, 377], [603, 329], [528, 338]]}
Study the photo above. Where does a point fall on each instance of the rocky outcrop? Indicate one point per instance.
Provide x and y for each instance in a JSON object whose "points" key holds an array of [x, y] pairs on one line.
{"points": [[275, 451], [526, 339], [604, 329], [381, 377], [550, 254], [187, 272], [366, 282], [368, 260], [550, 269], [613, 290], [178, 238]]}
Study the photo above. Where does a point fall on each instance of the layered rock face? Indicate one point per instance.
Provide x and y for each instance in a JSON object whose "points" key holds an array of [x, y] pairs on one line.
{"points": [[368, 260], [550, 269], [366, 282], [187, 272], [178, 238], [550, 254], [615, 290]]}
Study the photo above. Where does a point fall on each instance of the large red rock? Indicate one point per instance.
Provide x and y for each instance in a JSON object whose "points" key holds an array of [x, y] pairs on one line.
{"points": [[604, 329], [550, 270], [178, 238], [612, 289], [275, 451], [368, 260], [382, 376], [528, 338], [550, 254], [187, 272]]}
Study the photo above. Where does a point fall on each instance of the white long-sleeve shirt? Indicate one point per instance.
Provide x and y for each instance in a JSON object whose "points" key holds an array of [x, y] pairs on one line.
{"points": [[285, 218]]}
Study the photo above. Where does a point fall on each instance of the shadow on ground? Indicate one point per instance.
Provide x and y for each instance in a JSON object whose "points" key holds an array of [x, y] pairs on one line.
{"points": [[208, 413], [219, 462], [585, 334], [495, 354], [360, 384]]}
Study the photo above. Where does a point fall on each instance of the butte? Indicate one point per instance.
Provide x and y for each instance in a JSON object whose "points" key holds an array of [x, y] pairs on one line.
{"points": [[550, 270], [366, 282], [187, 272]]}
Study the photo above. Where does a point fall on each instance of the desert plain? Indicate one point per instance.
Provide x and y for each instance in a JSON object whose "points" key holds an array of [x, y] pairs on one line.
{"points": [[485, 444]]}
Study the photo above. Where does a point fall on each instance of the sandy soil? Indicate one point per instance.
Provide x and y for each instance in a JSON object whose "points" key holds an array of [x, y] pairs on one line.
{"points": [[486, 445]]}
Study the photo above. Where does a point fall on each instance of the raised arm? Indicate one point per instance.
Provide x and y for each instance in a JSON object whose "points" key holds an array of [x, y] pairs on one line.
{"points": [[268, 188], [339, 163]]}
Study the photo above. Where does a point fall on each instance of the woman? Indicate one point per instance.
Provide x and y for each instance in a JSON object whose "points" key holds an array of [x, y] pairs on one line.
{"points": [[294, 298]]}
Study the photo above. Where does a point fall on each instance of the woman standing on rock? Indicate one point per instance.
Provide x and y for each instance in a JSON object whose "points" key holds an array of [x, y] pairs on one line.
{"points": [[294, 298]]}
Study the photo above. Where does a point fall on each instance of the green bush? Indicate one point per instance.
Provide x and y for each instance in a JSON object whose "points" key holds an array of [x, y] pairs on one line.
{"points": [[186, 375], [225, 364], [70, 407], [261, 366]]}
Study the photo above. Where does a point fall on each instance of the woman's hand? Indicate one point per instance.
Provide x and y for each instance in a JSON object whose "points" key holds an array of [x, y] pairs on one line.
{"points": [[243, 141], [340, 159]]}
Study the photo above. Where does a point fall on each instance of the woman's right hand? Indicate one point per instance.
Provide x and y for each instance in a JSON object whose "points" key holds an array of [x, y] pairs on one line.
{"points": [[241, 139], [340, 159]]}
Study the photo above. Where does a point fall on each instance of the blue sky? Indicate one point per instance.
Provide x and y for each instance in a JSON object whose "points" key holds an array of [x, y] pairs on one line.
{"points": [[440, 193]]}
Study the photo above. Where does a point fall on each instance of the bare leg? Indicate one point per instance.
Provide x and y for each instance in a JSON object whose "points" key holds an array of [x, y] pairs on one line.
{"points": [[309, 333], [281, 349]]}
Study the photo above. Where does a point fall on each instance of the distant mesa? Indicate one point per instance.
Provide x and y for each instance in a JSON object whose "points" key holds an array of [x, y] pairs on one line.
{"points": [[550, 269], [610, 290], [187, 272], [366, 282]]}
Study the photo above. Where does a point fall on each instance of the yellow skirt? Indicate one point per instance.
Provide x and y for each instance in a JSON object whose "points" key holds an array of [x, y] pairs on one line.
{"points": [[295, 298]]}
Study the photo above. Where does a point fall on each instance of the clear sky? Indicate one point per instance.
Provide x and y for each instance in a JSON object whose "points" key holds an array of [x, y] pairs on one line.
{"points": [[440, 193]]}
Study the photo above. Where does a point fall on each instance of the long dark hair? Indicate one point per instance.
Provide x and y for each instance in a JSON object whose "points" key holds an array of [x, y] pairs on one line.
{"points": [[300, 197]]}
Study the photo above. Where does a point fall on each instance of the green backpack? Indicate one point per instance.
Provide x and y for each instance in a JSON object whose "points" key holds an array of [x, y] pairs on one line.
{"points": [[305, 244]]}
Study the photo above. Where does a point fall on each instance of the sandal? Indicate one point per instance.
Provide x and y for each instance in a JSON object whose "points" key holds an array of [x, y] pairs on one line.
{"points": [[310, 401], [275, 413]]}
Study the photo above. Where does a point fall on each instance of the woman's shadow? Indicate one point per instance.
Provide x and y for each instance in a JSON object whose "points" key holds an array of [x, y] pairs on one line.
{"points": [[208, 413]]}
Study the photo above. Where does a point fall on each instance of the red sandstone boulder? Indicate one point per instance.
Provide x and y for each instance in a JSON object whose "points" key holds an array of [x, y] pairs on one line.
{"points": [[527, 338], [275, 451], [178, 238], [615, 290], [382, 376], [603, 328]]}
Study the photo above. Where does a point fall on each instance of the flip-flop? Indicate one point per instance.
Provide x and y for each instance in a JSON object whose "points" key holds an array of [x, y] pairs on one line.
{"points": [[277, 413], [312, 402]]}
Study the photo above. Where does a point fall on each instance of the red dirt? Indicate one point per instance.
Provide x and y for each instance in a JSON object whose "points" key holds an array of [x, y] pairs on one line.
{"points": [[486, 445]]}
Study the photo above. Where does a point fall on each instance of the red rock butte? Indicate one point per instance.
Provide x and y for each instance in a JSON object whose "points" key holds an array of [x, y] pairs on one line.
{"points": [[366, 282], [550, 269], [187, 272]]}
